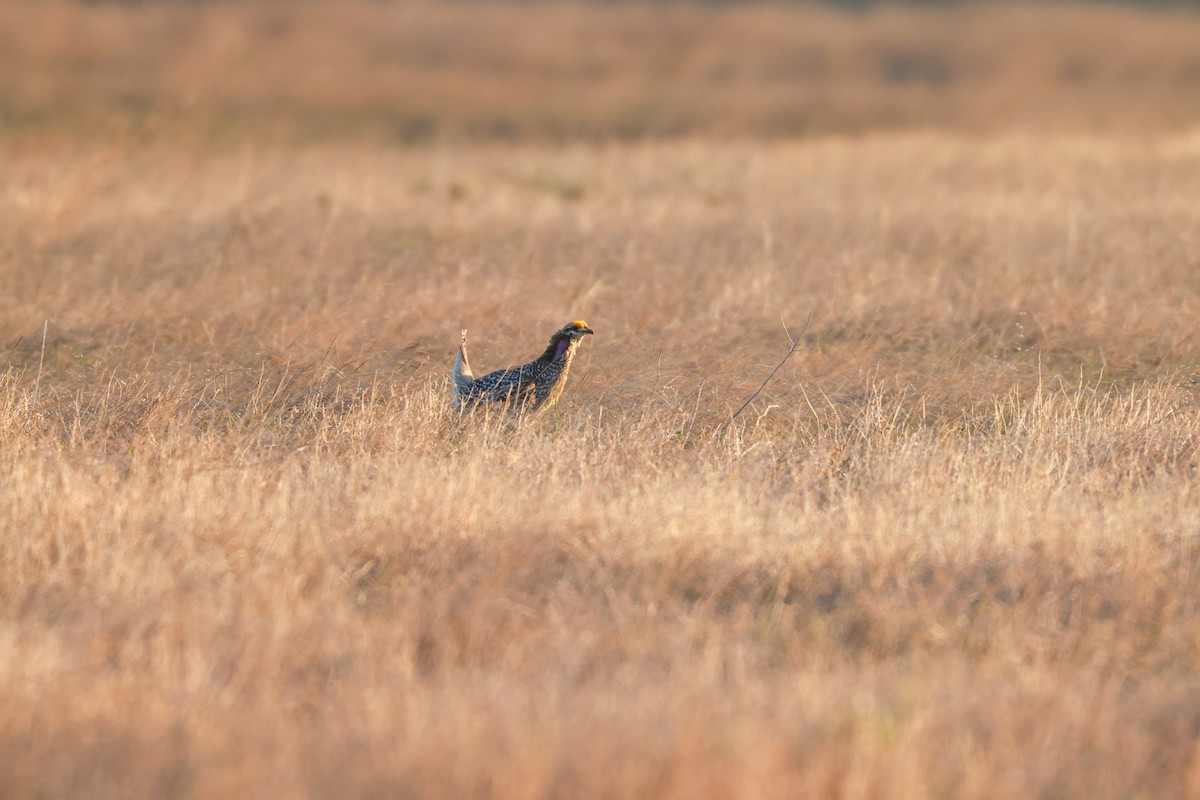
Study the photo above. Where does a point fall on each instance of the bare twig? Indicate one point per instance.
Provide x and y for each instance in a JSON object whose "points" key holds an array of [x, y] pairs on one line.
{"points": [[38, 382], [795, 345], [16, 344]]}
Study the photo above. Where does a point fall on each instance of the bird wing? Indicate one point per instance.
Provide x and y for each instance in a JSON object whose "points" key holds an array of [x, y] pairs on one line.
{"points": [[513, 383]]}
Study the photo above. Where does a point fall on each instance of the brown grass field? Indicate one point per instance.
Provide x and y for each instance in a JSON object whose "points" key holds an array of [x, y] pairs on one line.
{"points": [[952, 550]]}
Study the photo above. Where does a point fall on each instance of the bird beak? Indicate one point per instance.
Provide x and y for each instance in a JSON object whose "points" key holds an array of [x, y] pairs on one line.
{"points": [[586, 330]]}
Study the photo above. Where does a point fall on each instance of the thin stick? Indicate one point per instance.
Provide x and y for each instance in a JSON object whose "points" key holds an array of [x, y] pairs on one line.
{"points": [[37, 383], [16, 344], [795, 346]]}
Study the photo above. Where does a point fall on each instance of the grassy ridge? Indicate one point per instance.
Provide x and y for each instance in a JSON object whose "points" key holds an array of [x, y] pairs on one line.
{"points": [[411, 73]]}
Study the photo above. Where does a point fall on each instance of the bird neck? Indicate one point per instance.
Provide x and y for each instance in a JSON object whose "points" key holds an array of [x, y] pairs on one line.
{"points": [[559, 345]]}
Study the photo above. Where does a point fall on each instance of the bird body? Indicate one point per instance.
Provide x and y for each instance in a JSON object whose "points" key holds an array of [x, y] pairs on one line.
{"points": [[530, 386]]}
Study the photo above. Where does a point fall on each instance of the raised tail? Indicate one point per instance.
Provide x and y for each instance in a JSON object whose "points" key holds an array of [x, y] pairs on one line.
{"points": [[462, 377]]}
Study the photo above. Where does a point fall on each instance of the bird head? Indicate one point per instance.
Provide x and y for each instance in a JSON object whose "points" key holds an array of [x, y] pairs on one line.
{"points": [[576, 330], [566, 336]]}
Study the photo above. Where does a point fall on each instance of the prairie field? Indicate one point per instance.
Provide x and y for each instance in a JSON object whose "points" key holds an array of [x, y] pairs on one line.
{"points": [[949, 549]]}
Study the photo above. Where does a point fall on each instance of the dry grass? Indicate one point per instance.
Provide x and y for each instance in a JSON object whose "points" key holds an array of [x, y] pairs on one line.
{"points": [[953, 550]]}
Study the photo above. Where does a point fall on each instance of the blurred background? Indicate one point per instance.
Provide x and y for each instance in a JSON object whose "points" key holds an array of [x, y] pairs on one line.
{"points": [[411, 73]]}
